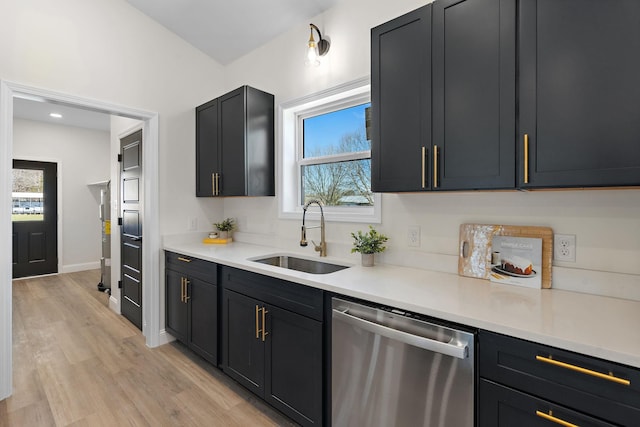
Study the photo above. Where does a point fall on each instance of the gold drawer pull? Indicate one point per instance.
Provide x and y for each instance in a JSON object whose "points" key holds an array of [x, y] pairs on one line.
{"points": [[608, 377], [424, 159], [264, 323], [435, 166], [184, 259], [257, 322], [526, 158], [551, 418]]}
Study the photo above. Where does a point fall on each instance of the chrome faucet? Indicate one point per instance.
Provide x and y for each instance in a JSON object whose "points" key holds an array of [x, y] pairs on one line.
{"points": [[322, 248]]}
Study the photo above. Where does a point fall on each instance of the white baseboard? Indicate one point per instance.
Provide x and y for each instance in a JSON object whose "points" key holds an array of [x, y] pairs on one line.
{"points": [[72, 268], [165, 337], [114, 304]]}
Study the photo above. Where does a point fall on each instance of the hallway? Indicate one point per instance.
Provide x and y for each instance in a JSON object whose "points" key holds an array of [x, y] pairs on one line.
{"points": [[77, 363]]}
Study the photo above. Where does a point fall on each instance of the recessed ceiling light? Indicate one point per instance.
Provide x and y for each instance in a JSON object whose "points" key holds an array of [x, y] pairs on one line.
{"points": [[55, 115]]}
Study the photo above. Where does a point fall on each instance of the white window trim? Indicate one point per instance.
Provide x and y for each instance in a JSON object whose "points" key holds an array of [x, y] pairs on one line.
{"points": [[289, 156]]}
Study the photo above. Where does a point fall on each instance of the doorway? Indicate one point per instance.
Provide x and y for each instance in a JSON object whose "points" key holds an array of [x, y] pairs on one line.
{"points": [[34, 218], [151, 246]]}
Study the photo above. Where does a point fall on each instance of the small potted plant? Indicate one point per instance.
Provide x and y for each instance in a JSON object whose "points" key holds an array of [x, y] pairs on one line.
{"points": [[368, 244], [225, 227]]}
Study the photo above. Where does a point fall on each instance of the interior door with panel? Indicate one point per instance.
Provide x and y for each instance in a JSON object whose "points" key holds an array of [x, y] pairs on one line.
{"points": [[474, 98], [578, 87], [34, 218], [401, 102], [131, 230]]}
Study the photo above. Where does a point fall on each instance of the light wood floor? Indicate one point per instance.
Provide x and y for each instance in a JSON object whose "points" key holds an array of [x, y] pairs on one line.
{"points": [[76, 363]]}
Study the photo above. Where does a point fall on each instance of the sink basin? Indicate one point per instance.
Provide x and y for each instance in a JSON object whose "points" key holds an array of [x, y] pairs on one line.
{"points": [[301, 264]]}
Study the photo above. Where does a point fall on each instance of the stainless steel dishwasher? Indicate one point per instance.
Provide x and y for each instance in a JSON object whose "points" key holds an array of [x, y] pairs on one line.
{"points": [[391, 368]]}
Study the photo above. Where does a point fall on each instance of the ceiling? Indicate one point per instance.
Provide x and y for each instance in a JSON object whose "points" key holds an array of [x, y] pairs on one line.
{"points": [[226, 30], [39, 110]]}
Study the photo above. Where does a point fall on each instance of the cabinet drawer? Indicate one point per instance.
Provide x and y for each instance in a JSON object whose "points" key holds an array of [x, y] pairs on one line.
{"points": [[505, 407], [194, 267], [562, 376], [288, 295]]}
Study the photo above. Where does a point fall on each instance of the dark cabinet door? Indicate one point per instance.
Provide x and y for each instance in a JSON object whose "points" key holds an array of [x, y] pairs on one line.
{"points": [[501, 406], [243, 349], [474, 99], [203, 305], [207, 149], [401, 103], [232, 135], [293, 358], [579, 92], [177, 310]]}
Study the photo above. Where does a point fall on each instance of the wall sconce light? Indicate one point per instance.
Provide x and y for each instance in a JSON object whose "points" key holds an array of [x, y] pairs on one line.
{"points": [[316, 50]]}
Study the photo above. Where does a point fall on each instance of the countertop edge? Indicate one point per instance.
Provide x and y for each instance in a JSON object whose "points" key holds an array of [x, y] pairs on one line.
{"points": [[472, 302]]}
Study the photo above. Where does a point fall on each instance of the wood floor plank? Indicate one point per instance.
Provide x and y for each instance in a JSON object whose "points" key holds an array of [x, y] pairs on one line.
{"points": [[77, 363]]}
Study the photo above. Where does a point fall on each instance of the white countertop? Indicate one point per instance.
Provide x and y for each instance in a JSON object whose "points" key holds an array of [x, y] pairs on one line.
{"points": [[598, 326]]}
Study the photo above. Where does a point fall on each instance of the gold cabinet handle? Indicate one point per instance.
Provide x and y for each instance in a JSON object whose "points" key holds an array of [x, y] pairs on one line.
{"points": [[424, 173], [526, 158], [264, 324], [435, 166], [213, 184], [553, 419], [186, 290], [184, 259], [257, 322], [608, 377], [217, 184], [182, 289]]}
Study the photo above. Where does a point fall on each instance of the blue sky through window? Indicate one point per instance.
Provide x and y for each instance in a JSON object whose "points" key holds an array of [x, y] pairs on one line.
{"points": [[324, 132]]}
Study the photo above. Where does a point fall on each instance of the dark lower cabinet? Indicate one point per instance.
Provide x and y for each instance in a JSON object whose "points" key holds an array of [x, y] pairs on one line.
{"points": [[578, 93], [192, 304], [271, 350], [529, 384], [505, 407]]}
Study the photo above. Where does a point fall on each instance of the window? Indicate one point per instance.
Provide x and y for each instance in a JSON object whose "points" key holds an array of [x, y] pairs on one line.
{"points": [[326, 155]]}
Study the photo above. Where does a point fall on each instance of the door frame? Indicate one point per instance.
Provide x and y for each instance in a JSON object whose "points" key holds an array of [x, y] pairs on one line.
{"points": [[151, 245]]}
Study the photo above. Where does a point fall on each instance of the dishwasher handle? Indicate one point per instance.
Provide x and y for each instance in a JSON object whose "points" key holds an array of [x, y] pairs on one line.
{"points": [[461, 350]]}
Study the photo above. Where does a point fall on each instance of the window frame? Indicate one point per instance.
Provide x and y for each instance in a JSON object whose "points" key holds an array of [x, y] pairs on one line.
{"points": [[291, 156]]}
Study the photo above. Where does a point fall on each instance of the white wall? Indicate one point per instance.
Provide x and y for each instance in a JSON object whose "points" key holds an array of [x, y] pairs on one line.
{"points": [[108, 50], [606, 222], [83, 157]]}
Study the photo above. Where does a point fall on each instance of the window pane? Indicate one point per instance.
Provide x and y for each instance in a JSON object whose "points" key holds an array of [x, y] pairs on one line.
{"points": [[28, 186], [341, 131], [338, 184]]}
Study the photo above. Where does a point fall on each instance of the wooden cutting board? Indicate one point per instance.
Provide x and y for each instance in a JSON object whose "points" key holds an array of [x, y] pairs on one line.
{"points": [[474, 256]]}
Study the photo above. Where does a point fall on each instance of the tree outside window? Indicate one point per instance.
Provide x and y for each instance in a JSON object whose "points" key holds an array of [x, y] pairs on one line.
{"points": [[336, 164]]}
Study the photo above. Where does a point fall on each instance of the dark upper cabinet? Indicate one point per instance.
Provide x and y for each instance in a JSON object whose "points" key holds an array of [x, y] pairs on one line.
{"points": [[579, 92], [474, 98], [401, 102], [235, 145]]}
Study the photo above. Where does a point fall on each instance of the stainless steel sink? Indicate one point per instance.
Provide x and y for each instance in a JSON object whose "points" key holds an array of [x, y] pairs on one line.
{"points": [[301, 264]]}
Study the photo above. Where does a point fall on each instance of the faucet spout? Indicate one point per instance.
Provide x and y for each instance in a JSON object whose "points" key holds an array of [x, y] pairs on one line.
{"points": [[322, 247]]}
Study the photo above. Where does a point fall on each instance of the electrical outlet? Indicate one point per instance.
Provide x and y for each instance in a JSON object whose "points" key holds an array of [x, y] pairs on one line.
{"points": [[413, 236], [192, 224], [564, 247]]}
